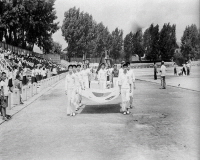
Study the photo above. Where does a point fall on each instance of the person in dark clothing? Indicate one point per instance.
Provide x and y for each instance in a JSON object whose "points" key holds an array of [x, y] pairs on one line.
{"points": [[155, 71]]}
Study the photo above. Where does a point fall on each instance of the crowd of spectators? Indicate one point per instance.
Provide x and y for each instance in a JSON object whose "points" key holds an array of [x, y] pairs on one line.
{"points": [[18, 69]]}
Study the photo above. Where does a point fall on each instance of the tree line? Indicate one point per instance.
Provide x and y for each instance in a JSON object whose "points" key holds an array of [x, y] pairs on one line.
{"points": [[85, 36], [25, 23]]}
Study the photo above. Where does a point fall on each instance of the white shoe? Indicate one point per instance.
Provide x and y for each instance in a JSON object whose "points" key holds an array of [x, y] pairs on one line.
{"points": [[73, 114]]}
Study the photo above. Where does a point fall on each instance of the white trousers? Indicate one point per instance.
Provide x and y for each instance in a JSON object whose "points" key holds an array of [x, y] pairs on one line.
{"points": [[85, 82], [71, 100], [102, 84], [125, 96], [78, 97]]}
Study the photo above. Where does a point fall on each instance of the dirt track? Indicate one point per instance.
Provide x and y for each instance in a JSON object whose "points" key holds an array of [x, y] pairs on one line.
{"points": [[164, 125]]}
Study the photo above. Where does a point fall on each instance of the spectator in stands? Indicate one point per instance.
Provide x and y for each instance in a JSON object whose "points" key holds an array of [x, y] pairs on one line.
{"points": [[54, 70], [33, 76], [10, 78], [37, 72], [44, 73], [24, 78], [18, 85]]}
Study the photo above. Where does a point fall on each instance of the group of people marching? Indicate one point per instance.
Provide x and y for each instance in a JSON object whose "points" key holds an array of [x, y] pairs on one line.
{"points": [[79, 78]]}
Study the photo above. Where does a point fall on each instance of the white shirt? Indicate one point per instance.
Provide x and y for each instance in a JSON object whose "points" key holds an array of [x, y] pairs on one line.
{"points": [[125, 81], [36, 71], [43, 73], [102, 75], [121, 71], [85, 73], [33, 73], [54, 71], [4, 84], [78, 79], [163, 70], [24, 71], [69, 81]]}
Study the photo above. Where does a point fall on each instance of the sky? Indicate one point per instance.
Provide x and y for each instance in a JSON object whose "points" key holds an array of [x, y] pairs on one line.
{"points": [[127, 14]]}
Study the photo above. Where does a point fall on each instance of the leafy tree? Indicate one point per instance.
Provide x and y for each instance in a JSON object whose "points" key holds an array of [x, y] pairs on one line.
{"points": [[128, 46], [28, 22], [151, 42], [137, 44], [117, 43], [167, 41], [190, 42], [54, 48], [78, 31]]}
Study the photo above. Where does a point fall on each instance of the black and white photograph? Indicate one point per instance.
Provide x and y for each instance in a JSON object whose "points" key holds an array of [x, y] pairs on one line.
{"points": [[99, 80]]}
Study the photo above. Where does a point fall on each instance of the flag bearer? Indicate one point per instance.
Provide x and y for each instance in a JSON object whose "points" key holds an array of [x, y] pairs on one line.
{"points": [[102, 76], [125, 89], [78, 85], [85, 75], [132, 76], [70, 91]]}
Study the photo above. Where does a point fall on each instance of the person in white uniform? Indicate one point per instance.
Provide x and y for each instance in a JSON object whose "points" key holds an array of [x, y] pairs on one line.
{"points": [[78, 86], [121, 70], [85, 75], [70, 91], [102, 76], [115, 74], [125, 90], [132, 76]]}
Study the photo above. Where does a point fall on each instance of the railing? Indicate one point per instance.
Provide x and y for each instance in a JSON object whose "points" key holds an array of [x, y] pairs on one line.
{"points": [[31, 90]]}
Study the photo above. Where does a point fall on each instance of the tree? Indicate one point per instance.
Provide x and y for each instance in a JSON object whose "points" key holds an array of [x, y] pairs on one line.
{"points": [[78, 31], [28, 22], [151, 42], [167, 41], [190, 42], [128, 46], [56, 48], [117, 43], [137, 44]]}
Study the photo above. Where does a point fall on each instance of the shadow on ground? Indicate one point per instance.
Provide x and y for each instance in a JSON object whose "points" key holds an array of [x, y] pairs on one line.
{"points": [[101, 109]]}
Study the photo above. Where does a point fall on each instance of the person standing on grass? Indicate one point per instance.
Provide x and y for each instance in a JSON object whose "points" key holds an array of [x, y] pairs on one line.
{"points": [[155, 71], [184, 69], [125, 88], [163, 74], [70, 91], [175, 69], [188, 68]]}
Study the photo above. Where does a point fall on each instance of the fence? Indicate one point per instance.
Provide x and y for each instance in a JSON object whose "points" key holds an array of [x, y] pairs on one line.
{"points": [[30, 90]]}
